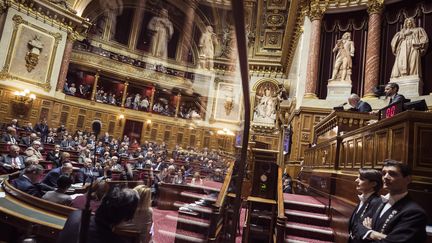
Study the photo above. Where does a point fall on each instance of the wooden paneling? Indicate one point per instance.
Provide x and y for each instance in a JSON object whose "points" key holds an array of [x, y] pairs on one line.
{"points": [[368, 155], [381, 149]]}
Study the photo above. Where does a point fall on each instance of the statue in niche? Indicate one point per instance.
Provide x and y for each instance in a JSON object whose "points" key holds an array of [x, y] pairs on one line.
{"points": [[163, 30], [265, 110], [343, 63], [111, 9], [64, 4], [408, 45], [206, 44], [35, 47]]}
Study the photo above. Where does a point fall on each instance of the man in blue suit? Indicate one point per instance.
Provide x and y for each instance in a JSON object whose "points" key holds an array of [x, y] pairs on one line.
{"points": [[358, 105], [391, 90], [29, 181], [52, 176]]}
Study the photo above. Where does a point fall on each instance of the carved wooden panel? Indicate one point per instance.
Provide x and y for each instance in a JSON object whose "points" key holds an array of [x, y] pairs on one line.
{"points": [[306, 122], [381, 150], [398, 144], [358, 158], [179, 138], [422, 155], [343, 154], [350, 157], [368, 154]]}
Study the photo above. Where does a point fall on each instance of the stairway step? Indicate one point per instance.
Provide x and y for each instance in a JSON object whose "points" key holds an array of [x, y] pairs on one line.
{"points": [[182, 236], [307, 217], [298, 239], [194, 207], [310, 231], [304, 206], [198, 196], [187, 219]]}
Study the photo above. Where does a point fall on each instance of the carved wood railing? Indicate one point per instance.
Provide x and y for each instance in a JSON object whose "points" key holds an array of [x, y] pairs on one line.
{"points": [[217, 218], [281, 219]]}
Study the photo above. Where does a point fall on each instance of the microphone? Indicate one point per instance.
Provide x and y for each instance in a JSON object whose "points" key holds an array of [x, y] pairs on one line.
{"points": [[340, 107], [96, 127]]}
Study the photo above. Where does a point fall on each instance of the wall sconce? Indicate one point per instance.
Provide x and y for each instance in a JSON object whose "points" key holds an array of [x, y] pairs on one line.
{"points": [[121, 118], [148, 121], [22, 103]]}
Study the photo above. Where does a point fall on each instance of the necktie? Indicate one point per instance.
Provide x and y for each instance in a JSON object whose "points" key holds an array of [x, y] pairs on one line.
{"points": [[14, 163]]}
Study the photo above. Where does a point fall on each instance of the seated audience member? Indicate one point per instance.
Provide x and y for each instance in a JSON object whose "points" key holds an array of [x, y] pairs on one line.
{"points": [[99, 189], [104, 159], [369, 183], [85, 154], [13, 161], [28, 127], [391, 90], [358, 105], [29, 181], [218, 176], [179, 178], [14, 124], [196, 179], [140, 163], [55, 156], [10, 137], [59, 195], [399, 219], [68, 143], [117, 206], [87, 172], [287, 185], [34, 151], [143, 218], [52, 176], [28, 140]]}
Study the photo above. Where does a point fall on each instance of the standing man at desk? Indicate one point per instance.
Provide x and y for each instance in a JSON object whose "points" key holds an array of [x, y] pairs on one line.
{"points": [[391, 90], [358, 105]]}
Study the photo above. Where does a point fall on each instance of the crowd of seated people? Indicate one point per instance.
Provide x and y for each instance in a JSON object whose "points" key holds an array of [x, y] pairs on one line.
{"points": [[137, 102], [107, 98], [82, 157], [189, 111], [72, 89]]}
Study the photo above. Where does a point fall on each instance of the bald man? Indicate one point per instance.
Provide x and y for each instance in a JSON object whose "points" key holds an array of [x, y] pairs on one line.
{"points": [[358, 105]]}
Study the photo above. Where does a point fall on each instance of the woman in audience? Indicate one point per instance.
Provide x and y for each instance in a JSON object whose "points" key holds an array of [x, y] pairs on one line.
{"points": [[59, 195], [196, 179], [143, 218], [369, 183]]}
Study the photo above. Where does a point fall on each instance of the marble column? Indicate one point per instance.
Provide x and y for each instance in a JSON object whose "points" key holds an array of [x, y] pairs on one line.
{"points": [[125, 90], [178, 104], [315, 14], [187, 31], [95, 84], [373, 48], [65, 62], [152, 99]]}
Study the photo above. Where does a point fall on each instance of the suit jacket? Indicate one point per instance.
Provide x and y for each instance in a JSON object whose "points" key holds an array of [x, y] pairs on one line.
{"points": [[363, 106], [7, 138], [356, 221], [51, 178], [86, 174], [51, 156], [397, 98], [405, 221], [7, 159], [24, 184], [64, 144]]}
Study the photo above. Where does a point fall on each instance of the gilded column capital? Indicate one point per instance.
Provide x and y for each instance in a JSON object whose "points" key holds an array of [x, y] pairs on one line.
{"points": [[375, 6], [316, 10]]}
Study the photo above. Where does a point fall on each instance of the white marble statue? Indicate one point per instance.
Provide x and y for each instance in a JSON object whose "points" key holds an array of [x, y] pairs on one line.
{"points": [[111, 9], [265, 110], [163, 30], [206, 44], [343, 63], [408, 45]]}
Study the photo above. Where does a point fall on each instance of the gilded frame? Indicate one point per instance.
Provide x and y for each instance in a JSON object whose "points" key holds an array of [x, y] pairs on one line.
{"points": [[21, 25], [225, 93]]}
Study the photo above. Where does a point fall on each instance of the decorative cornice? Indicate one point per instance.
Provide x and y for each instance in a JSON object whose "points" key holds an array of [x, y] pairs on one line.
{"points": [[317, 9], [375, 6]]}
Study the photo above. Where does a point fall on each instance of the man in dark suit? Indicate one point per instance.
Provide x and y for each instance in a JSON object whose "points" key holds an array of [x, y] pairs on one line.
{"points": [[10, 136], [43, 129], [369, 183], [399, 219], [12, 161], [28, 140], [55, 156], [29, 181], [391, 90], [52, 176], [358, 105], [86, 173]]}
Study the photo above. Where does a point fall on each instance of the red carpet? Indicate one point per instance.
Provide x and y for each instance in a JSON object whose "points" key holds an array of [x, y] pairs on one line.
{"points": [[162, 224], [300, 198]]}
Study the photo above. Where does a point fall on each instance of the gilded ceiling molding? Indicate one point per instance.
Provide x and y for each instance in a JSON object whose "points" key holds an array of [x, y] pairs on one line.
{"points": [[375, 6], [317, 9]]}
